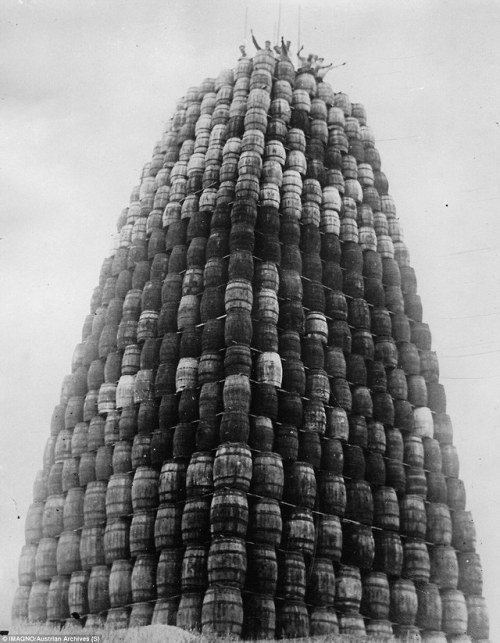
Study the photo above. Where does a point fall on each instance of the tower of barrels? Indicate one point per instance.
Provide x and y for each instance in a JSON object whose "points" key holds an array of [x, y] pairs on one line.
{"points": [[253, 439]]}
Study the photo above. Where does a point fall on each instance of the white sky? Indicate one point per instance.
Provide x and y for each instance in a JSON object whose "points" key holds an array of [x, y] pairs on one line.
{"points": [[87, 88]]}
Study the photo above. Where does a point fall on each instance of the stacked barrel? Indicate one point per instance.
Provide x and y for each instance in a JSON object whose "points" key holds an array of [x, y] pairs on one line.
{"points": [[253, 439]]}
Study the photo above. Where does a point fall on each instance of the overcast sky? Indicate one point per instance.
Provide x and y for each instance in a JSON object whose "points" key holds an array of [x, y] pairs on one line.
{"points": [[87, 89]]}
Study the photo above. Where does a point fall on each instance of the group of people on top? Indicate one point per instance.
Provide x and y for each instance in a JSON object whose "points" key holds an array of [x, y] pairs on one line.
{"points": [[311, 64]]}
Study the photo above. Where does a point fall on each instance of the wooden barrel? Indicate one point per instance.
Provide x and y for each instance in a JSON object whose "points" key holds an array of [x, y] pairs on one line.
{"points": [[103, 463], [454, 612], [269, 369], [321, 583], [68, 552], [222, 612], [332, 455], [168, 572], [117, 618], [121, 461], [375, 600], [478, 617], [26, 565], [238, 360], [192, 575], [298, 532], [300, 484], [79, 439], [189, 612], [187, 374], [197, 479], [388, 553], [120, 590], [265, 522], [141, 535], [337, 425], [348, 589], [143, 578], [74, 412], [37, 602], [432, 455], [98, 589], [464, 531], [455, 494], [95, 621], [424, 425], [195, 522], [437, 488], [413, 516], [116, 541], [429, 612], [234, 427], [291, 582], [232, 467], [268, 475], [167, 528], [259, 616], [92, 547], [262, 569], [439, 525], [237, 393], [318, 388], [141, 451], [470, 573], [332, 493], [52, 517], [128, 423], [444, 567], [229, 513], [416, 562], [125, 391], [20, 602], [417, 390], [118, 496], [386, 509], [227, 562], [403, 602], [165, 611], [145, 489], [86, 470], [358, 545], [416, 482], [292, 619]]}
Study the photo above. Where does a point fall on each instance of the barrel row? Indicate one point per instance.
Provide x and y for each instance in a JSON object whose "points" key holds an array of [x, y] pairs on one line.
{"points": [[101, 452], [193, 372], [373, 597], [227, 512], [413, 422], [292, 529], [352, 499]]}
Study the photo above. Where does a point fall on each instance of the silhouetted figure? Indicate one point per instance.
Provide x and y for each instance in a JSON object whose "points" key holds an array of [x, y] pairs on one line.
{"points": [[306, 64], [285, 50], [243, 51], [302, 59], [267, 44], [321, 70]]}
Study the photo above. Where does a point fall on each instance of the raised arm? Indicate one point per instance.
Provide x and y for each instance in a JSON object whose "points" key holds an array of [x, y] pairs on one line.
{"points": [[256, 44]]}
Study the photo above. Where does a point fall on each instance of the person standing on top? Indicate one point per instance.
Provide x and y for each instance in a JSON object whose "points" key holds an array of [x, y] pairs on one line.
{"points": [[243, 51], [302, 59], [283, 50], [267, 44], [306, 64], [320, 70]]}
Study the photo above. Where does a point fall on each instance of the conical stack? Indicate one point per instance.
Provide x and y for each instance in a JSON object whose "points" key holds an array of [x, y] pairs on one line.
{"points": [[253, 439]]}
